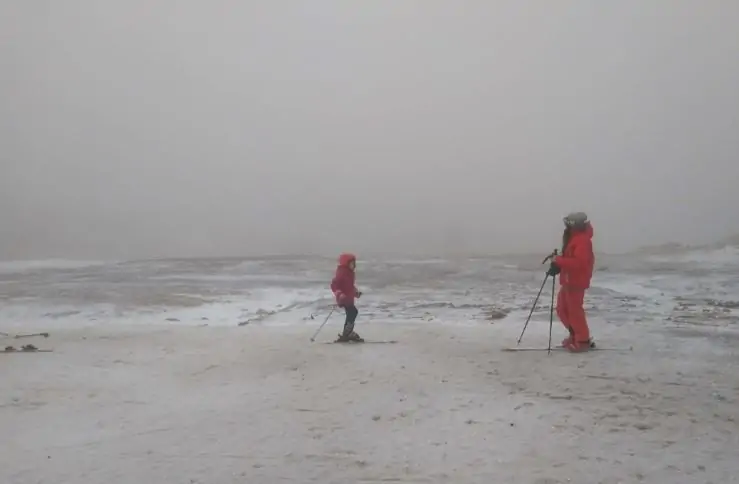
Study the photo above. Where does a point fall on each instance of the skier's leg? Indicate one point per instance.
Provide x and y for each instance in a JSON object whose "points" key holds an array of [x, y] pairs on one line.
{"points": [[351, 317], [563, 314], [581, 332], [352, 314]]}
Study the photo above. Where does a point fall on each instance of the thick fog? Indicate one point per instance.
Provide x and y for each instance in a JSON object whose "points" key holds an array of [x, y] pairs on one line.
{"points": [[148, 128]]}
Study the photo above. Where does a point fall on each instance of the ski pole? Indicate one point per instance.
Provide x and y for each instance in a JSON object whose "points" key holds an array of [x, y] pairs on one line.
{"points": [[549, 257], [45, 335], [551, 305], [313, 338], [533, 306], [29, 335], [551, 316], [546, 259]]}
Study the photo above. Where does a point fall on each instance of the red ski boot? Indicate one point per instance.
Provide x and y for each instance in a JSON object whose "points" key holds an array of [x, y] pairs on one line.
{"points": [[579, 346]]}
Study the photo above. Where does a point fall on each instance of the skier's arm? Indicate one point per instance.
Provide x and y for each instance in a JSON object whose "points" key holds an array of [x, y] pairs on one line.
{"points": [[338, 287], [579, 259]]}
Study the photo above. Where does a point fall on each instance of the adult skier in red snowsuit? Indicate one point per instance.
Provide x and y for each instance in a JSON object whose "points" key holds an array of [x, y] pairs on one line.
{"points": [[345, 292], [575, 269]]}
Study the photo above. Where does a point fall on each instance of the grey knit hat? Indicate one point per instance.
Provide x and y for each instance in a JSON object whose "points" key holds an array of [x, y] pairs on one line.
{"points": [[576, 220]]}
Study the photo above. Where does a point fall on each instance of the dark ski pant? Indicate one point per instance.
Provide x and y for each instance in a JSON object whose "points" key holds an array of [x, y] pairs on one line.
{"points": [[351, 315]]}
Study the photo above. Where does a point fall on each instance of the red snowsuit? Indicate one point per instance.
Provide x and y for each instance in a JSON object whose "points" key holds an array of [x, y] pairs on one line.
{"points": [[342, 284], [576, 265]]}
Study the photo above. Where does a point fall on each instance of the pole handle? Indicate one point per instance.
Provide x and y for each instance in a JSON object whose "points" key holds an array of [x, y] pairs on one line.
{"points": [[551, 256]]}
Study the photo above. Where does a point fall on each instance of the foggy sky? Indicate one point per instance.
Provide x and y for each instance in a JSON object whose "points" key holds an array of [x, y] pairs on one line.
{"points": [[147, 128]]}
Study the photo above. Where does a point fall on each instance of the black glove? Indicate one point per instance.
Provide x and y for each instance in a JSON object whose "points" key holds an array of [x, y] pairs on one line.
{"points": [[553, 270]]}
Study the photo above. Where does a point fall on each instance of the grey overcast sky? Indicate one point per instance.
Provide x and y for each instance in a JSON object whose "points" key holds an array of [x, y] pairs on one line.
{"points": [[147, 128]]}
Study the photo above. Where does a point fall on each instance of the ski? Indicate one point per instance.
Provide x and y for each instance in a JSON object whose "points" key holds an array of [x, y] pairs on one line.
{"points": [[559, 348], [359, 342], [14, 351]]}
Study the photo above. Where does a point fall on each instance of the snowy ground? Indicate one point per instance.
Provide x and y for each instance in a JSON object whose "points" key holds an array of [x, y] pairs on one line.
{"points": [[257, 404]]}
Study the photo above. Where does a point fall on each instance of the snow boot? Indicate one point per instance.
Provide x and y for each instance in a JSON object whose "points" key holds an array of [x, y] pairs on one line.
{"points": [[355, 337], [342, 338]]}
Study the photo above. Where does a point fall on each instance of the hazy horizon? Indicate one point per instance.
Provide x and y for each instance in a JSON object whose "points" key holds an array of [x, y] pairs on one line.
{"points": [[174, 129]]}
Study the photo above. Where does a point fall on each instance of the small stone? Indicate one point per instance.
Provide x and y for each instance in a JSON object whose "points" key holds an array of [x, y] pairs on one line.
{"points": [[376, 418], [497, 314]]}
